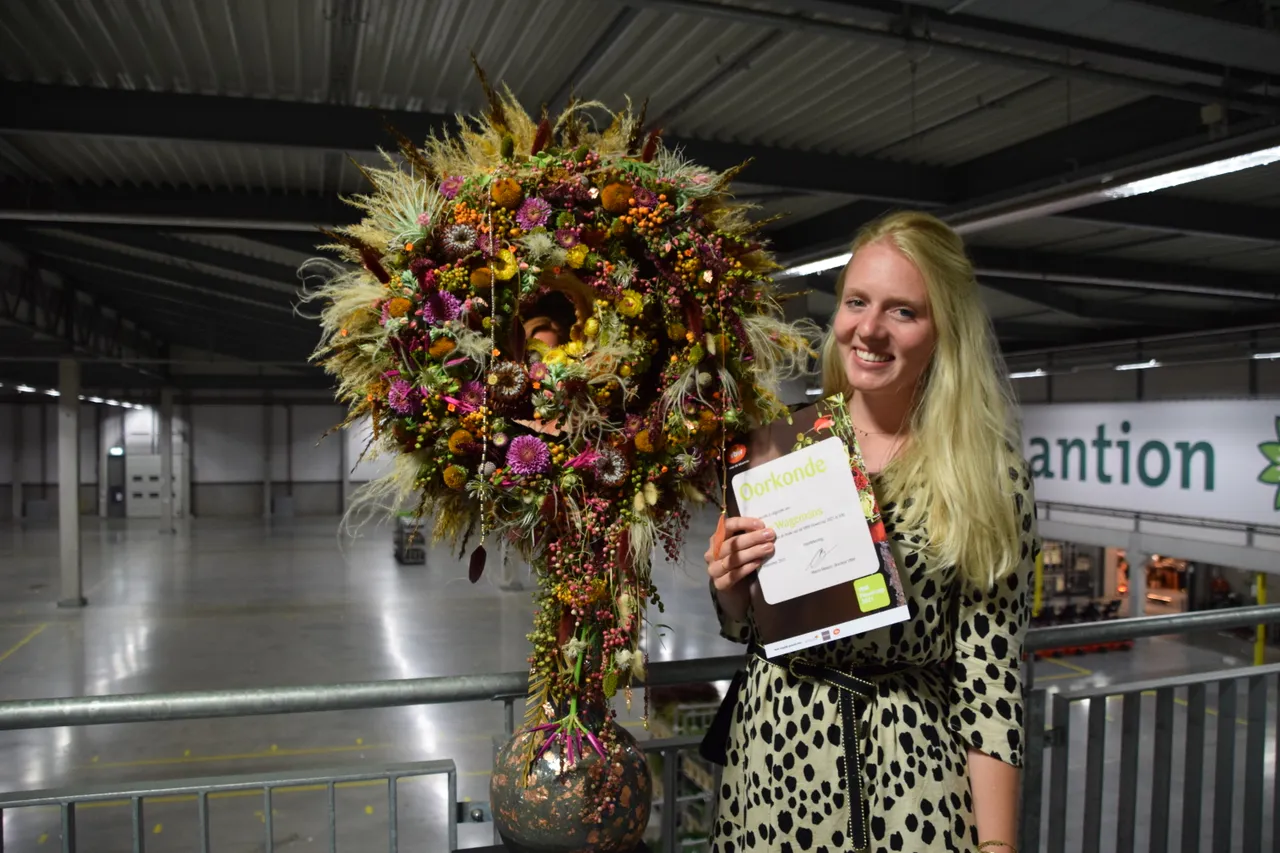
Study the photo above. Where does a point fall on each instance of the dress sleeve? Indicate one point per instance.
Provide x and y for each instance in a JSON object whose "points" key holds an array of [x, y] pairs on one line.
{"points": [[986, 686], [738, 630]]}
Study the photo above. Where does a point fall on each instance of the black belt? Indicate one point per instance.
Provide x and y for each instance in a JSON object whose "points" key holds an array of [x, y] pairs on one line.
{"points": [[855, 692]]}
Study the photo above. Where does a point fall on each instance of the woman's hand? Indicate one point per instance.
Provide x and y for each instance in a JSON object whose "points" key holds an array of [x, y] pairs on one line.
{"points": [[738, 547]]}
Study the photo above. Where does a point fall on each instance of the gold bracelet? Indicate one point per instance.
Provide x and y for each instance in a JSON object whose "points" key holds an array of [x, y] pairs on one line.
{"points": [[987, 844]]}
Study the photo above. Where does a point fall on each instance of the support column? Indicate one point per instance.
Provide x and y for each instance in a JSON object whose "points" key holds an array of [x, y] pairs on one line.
{"points": [[100, 446], [166, 460], [69, 483], [1137, 558], [18, 497], [267, 439]]}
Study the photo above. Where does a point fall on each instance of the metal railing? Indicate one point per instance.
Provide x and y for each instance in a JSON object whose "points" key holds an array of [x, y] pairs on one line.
{"points": [[508, 687]]}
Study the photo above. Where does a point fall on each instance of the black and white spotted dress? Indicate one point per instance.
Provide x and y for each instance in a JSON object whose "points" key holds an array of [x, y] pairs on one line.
{"points": [[957, 685]]}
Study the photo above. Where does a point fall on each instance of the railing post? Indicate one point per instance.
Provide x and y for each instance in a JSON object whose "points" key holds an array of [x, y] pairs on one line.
{"points": [[1033, 771], [1058, 774]]}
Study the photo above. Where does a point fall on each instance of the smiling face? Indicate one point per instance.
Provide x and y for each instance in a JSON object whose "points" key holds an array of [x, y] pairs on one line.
{"points": [[883, 329]]}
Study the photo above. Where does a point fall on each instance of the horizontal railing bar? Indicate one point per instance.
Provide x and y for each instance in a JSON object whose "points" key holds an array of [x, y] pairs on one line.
{"points": [[1133, 628], [214, 784], [248, 702], [208, 704], [1172, 681]]}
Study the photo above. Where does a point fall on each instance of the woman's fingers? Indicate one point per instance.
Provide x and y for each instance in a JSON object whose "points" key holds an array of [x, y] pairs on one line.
{"points": [[732, 578]]}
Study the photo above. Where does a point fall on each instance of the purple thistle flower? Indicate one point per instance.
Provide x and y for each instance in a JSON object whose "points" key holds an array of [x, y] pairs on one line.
{"points": [[440, 307], [533, 213], [402, 398], [450, 186], [645, 198], [528, 455], [539, 372], [567, 237], [472, 393]]}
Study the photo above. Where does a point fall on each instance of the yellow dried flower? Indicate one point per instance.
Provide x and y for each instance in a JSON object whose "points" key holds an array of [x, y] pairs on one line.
{"points": [[441, 347], [591, 328], [643, 444], [507, 192], [455, 476], [630, 304], [460, 440], [555, 356], [481, 278], [577, 256], [616, 198], [573, 348], [399, 306], [505, 265]]}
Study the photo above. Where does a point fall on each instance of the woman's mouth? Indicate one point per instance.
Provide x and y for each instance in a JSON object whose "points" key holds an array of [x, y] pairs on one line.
{"points": [[872, 357]]}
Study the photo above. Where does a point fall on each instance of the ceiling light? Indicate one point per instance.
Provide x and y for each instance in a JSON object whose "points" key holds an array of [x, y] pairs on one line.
{"points": [[26, 389], [115, 451], [1139, 365], [113, 402], [813, 392], [1266, 356], [1028, 374], [95, 399], [816, 266], [53, 393], [1178, 177]]}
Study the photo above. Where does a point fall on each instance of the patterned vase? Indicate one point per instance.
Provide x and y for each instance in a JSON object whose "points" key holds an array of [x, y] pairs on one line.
{"points": [[551, 810]]}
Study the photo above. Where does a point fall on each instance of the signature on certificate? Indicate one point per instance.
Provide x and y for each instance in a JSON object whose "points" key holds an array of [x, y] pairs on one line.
{"points": [[817, 557]]}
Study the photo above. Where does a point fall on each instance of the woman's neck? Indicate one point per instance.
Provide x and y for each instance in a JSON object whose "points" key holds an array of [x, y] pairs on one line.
{"points": [[880, 414]]}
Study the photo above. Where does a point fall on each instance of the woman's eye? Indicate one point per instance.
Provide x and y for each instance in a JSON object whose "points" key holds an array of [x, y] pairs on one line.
{"points": [[906, 314]]}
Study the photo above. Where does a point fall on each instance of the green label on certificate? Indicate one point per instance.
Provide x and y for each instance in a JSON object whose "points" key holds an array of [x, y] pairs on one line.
{"points": [[872, 593]]}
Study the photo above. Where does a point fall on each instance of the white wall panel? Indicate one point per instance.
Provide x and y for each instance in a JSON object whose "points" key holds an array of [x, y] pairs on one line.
{"points": [[358, 435], [280, 462], [7, 439], [228, 444], [315, 457]]}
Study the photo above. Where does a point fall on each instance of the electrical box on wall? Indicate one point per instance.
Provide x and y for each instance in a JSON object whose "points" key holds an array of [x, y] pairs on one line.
{"points": [[142, 486]]}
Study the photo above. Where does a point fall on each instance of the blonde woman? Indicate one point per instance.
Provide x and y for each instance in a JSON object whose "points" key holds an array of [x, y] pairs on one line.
{"points": [[932, 763]]}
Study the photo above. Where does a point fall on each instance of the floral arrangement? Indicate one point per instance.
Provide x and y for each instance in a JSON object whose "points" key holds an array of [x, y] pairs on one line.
{"points": [[585, 454]]}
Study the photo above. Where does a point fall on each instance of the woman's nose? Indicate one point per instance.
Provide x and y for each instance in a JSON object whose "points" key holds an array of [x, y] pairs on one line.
{"points": [[872, 325]]}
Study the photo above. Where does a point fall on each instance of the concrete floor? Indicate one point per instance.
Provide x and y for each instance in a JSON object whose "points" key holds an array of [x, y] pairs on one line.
{"points": [[241, 604]]}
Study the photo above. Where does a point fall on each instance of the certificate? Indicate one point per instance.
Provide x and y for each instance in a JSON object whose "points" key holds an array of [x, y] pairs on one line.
{"points": [[810, 500], [832, 574]]}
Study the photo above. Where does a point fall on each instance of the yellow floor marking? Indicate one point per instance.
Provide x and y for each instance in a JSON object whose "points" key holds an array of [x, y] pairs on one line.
{"points": [[44, 836], [159, 829], [186, 753], [1076, 668], [359, 741], [368, 809], [34, 633], [274, 752], [93, 760]]}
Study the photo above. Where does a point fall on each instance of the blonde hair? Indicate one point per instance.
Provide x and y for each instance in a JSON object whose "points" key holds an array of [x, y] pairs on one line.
{"points": [[964, 438]]}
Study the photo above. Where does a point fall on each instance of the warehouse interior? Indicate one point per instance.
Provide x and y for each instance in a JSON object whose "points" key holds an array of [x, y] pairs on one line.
{"points": [[166, 168]]}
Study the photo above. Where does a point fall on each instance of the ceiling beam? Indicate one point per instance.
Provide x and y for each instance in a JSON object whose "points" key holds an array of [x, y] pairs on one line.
{"points": [[1121, 273], [1046, 295], [1174, 215], [260, 210], [27, 108], [66, 316], [58, 252]]}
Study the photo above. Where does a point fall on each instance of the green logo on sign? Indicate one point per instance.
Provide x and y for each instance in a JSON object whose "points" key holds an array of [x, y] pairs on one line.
{"points": [[1271, 474]]}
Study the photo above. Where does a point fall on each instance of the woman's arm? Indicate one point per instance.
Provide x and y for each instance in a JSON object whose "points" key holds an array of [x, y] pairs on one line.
{"points": [[995, 787]]}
